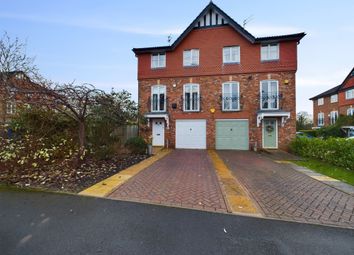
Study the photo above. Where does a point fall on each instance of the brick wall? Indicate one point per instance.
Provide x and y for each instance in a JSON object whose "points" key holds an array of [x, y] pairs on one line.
{"points": [[210, 91], [326, 108], [211, 56]]}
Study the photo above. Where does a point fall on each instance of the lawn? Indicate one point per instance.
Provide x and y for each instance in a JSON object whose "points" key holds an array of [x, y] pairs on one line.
{"points": [[335, 172]]}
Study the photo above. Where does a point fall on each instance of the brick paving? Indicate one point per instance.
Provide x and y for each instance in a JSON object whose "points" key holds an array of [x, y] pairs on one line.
{"points": [[184, 178], [283, 193]]}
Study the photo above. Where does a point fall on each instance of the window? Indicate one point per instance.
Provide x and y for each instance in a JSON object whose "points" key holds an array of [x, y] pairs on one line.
{"points": [[191, 57], [10, 107], [191, 98], [320, 101], [320, 119], [333, 117], [350, 111], [158, 98], [270, 52], [334, 98], [230, 96], [269, 95], [349, 94], [231, 54], [158, 60]]}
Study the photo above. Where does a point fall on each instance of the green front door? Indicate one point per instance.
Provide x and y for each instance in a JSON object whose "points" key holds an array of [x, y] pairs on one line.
{"points": [[270, 133], [231, 135]]}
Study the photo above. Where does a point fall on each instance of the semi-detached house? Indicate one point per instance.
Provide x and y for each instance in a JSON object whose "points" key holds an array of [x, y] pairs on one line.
{"points": [[218, 86]]}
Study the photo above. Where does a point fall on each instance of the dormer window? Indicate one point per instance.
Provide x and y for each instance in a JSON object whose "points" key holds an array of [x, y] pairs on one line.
{"points": [[158, 60], [191, 57], [270, 52]]}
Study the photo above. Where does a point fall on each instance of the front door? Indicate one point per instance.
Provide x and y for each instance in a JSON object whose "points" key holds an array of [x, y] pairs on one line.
{"points": [[158, 132], [270, 134]]}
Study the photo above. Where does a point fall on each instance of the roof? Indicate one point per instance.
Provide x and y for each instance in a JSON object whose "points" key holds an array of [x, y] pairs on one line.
{"points": [[230, 22], [336, 89], [327, 93]]}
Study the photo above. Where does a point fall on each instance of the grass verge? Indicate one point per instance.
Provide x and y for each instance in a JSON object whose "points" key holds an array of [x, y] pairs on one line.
{"points": [[335, 172]]}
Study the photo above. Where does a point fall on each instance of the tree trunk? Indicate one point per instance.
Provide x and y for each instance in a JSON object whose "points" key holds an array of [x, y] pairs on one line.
{"points": [[82, 141]]}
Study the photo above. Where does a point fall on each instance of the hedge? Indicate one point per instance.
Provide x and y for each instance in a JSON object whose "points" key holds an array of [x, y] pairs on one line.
{"points": [[336, 151]]}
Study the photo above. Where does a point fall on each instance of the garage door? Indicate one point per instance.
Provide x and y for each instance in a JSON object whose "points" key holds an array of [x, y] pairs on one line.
{"points": [[191, 134], [232, 135]]}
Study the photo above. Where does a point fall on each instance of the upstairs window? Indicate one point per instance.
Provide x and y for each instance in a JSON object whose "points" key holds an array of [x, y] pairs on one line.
{"points": [[10, 108], [320, 119], [231, 54], [333, 117], [270, 52], [230, 96], [158, 60], [158, 98], [191, 98], [349, 94], [334, 98], [269, 95], [320, 101], [191, 57], [350, 111]]}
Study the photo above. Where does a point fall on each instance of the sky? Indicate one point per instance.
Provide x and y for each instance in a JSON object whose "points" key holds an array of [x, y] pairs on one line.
{"points": [[90, 41]]}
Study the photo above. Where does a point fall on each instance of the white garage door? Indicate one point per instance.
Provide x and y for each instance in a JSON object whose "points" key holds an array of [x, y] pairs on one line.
{"points": [[191, 134]]}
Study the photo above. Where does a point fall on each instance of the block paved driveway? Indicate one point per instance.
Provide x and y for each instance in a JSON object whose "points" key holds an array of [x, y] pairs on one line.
{"points": [[284, 193], [184, 178]]}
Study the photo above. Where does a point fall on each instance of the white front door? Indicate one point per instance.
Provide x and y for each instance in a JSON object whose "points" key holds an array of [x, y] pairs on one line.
{"points": [[158, 132], [191, 134]]}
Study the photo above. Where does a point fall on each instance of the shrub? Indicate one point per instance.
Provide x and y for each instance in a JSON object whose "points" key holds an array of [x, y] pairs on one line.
{"points": [[30, 152], [136, 145], [336, 151], [311, 133]]}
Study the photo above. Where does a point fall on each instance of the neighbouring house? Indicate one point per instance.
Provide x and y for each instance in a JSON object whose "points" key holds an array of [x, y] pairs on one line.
{"points": [[336, 101], [218, 86], [18, 91]]}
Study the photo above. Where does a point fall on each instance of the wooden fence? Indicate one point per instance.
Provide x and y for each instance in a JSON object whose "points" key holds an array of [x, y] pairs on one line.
{"points": [[126, 132]]}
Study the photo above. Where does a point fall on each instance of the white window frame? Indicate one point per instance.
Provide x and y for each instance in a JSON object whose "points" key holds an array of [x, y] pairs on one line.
{"points": [[334, 98], [333, 117], [193, 59], [161, 60], [237, 95], [350, 111], [161, 90], [320, 116], [261, 95], [234, 59], [189, 86], [10, 107], [266, 51], [349, 94], [320, 101]]}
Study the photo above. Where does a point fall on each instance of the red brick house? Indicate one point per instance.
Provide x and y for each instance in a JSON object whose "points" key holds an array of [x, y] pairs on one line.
{"points": [[18, 91], [336, 101], [218, 86]]}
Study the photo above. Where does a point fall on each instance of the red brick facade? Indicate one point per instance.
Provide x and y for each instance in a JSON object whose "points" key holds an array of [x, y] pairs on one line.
{"points": [[212, 73]]}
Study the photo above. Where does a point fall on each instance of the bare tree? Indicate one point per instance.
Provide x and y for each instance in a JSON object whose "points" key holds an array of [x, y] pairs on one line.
{"points": [[13, 59], [75, 101], [303, 121]]}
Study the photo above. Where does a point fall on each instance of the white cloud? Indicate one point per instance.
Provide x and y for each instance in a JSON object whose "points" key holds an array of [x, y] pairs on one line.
{"points": [[267, 30], [92, 24]]}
